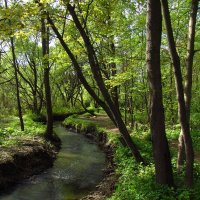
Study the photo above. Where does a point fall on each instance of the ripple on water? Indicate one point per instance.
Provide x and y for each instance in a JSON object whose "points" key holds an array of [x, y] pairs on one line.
{"points": [[77, 169]]}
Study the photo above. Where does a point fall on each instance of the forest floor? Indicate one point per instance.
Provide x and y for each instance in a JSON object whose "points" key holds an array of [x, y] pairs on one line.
{"points": [[104, 121], [143, 186]]}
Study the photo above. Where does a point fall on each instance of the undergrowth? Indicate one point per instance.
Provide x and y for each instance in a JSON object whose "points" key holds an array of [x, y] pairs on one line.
{"points": [[10, 133], [137, 182]]}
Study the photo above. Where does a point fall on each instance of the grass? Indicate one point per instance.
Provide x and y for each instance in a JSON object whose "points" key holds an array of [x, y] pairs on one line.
{"points": [[10, 133], [77, 122], [135, 181], [138, 182]]}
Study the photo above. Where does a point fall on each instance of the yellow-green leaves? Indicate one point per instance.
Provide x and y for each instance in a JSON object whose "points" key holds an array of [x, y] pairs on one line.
{"points": [[19, 19]]}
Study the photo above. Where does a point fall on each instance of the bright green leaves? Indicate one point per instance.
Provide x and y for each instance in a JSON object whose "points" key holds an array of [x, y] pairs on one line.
{"points": [[119, 79], [18, 20]]}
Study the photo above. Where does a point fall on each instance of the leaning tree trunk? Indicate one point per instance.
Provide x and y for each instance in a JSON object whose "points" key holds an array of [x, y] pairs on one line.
{"points": [[163, 167], [79, 71], [45, 53], [188, 81], [112, 112], [180, 96], [96, 71]]}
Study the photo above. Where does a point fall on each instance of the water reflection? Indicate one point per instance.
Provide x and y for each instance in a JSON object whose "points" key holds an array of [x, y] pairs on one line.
{"points": [[76, 171]]}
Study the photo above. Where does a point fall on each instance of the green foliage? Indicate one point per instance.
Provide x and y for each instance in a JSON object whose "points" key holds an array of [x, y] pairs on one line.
{"points": [[65, 110], [173, 132], [195, 120], [79, 123], [137, 181], [10, 133], [196, 139]]}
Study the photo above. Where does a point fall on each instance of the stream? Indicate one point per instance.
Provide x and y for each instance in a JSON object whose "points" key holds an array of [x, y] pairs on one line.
{"points": [[76, 171]]}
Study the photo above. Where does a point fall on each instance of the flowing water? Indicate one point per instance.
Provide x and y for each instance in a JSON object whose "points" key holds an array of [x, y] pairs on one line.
{"points": [[76, 171]]}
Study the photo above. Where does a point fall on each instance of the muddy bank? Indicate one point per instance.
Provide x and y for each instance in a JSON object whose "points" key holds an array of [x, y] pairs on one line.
{"points": [[105, 188], [29, 158]]}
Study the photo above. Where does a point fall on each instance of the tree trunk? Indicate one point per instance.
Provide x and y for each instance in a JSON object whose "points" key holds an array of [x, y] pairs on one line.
{"points": [[114, 90], [79, 71], [180, 96], [96, 71], [188, 82], [35, 85], [17, 85], [181, 152], [163, 167], [45, 53], [125, 103], [171, 95], [16, 78]]}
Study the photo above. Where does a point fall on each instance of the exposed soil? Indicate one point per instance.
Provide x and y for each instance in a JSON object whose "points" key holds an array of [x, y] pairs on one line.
{"points": [[30, 157], [105, 122], [104, 189]]}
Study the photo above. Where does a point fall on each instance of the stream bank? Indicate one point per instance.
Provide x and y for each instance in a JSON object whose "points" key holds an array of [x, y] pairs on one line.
{"points": [[106, 187], [30, 157], [35, 155], [75, 172]]}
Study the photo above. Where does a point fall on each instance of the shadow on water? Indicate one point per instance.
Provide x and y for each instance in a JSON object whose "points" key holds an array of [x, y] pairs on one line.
{"points": [[76, 171]]}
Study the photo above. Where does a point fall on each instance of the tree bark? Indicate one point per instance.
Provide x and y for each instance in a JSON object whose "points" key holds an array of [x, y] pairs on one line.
{"points": [[35, 85], [162, 158], [16, 79], [189, 69], [17, 85], [96, 71], [45, 53], [180, 96], [114, 90]]}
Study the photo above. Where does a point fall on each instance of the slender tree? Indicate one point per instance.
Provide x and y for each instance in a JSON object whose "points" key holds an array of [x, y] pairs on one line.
{"points": [[108, 106], [163, 167], [96, 71], [189, 70], [45, 53], [180, 95], [14, 63]]}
